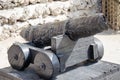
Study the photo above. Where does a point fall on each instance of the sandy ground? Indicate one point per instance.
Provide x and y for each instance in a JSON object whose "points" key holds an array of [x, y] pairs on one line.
{"points": [[110, 39], [111, 42]]}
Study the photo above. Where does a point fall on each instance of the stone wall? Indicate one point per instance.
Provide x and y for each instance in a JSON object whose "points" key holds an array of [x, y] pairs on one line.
{"points": [[15, 15]]}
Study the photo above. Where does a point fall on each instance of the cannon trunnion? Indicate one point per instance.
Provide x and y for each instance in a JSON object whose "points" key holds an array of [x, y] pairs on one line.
{"points": [[52, 60]]}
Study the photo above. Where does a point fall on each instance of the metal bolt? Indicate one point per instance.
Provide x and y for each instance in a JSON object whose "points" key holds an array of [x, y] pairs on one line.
{"points": [[16, 57], [43, 66]]}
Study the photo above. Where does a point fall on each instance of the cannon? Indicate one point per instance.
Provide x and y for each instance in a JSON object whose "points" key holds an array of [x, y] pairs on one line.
{"points": [[55, 48], [74, 28]]}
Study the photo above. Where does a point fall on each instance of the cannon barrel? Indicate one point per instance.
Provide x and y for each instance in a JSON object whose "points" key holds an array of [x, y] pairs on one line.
{"points": [[74, 28]]}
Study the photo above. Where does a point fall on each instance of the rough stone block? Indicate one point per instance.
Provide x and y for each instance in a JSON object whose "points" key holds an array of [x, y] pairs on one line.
{"points": [[7, 4], [25, 13], [98, 71], [86, 5]]}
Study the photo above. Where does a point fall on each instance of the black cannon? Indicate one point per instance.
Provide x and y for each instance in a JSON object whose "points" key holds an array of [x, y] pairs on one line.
{"points": [[56, 47]]}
